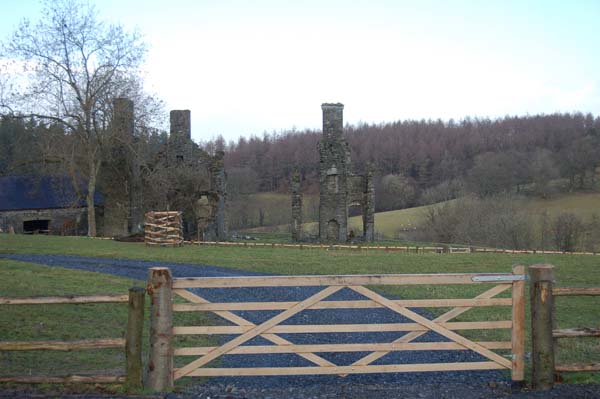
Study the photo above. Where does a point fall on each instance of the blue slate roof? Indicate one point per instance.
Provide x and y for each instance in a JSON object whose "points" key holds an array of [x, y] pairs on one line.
{"points": [[41, 192]]}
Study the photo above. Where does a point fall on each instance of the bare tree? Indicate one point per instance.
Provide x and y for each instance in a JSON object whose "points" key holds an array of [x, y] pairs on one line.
{"points": [[567, 229], [72, 62]]}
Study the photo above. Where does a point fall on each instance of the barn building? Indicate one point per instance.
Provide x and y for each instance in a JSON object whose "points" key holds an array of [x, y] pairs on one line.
{"points": [[32, 204]]}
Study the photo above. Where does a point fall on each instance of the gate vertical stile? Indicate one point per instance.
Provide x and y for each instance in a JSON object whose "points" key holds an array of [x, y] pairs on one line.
{"points": [[518, 329]]}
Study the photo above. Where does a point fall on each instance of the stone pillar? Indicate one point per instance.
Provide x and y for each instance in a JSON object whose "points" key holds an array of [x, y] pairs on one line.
{"points": [[369, 206], [333, 171], [296, 207]]}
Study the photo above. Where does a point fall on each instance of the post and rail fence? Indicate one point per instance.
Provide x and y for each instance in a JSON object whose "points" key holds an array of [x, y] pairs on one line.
{"points": [[132, 343], [444, 249], [543, 331]]}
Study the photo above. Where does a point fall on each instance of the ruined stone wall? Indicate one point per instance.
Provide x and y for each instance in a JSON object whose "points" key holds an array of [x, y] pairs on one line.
{"points": [[339, 187], [296, 225], [208, 217]]}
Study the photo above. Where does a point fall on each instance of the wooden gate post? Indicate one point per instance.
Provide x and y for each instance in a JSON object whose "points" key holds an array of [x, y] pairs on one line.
{"points": [[160, 363], [133, 339], [542, 304], [518, 330]]}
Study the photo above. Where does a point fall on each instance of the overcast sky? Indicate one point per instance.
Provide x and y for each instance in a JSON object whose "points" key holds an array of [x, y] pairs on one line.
{"points": [[245, 67]]}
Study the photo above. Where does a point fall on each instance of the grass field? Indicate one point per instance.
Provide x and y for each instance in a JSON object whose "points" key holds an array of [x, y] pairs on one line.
{"points": [[69, 322], [571, 270], [584, 205]]}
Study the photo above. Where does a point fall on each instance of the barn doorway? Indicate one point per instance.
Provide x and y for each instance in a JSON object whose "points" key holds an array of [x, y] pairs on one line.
{"points": [[36, 226]]}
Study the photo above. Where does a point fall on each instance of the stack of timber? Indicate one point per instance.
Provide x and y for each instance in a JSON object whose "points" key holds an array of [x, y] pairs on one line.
{"points": [[164, 229]]}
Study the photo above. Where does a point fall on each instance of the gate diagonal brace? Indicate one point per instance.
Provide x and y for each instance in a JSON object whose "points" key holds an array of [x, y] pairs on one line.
{"points": [[433, 326], [240, 321], [449, 315], [257, 330]]}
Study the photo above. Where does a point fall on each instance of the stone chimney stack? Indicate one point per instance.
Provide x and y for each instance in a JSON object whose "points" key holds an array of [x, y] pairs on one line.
{"points": [[333, 120], [181, 124], [123, 117]]}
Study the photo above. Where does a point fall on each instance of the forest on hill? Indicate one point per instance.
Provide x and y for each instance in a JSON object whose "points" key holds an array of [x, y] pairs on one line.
{"points": [[428, 161], [428, 153]]}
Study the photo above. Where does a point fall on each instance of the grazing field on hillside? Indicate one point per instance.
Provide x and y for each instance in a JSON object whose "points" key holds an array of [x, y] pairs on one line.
{"points": [[399, 224], [571, 270]]}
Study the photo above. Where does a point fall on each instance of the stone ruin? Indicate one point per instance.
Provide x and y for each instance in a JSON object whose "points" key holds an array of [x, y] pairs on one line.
{"points": [[340, 188], [209, 216], [123, 211]]}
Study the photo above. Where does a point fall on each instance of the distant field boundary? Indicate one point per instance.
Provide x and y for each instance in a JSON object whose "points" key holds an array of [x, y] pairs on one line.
{"points": [[406, 249]]}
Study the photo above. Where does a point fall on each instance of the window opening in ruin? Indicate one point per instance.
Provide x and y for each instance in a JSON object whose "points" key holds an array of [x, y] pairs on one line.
{"points": [[332, 184], [36, 226], [333, 230]]}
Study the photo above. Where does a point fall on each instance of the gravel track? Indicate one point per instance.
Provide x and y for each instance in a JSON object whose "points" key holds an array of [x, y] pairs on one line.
{"points": [[472, 384]]}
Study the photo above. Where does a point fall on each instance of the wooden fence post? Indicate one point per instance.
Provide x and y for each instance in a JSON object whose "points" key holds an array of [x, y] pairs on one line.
{"points": [[133, 338], [160, 363], [518, 330], [542, 305]]}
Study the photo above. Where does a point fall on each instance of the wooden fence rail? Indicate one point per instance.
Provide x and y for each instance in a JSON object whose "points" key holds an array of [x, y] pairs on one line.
{"points": [[390, 248], [162, 288], [131, 344], [544, 335]]}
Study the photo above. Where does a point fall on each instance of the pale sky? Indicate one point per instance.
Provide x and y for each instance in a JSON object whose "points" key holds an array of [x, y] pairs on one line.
{"points": [[245, 67]]}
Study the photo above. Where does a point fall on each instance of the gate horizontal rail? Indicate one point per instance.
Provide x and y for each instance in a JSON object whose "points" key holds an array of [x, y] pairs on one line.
{"points": [[343, 328], [163, 288], [343, 280]]}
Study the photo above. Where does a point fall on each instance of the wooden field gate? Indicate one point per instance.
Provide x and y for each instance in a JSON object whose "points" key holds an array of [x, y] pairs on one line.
{"points": [[162, 287]]}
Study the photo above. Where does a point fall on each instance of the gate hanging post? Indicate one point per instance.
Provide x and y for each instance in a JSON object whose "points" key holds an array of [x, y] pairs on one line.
{"points": [[518, 330], [133, 339], [542, 305], [160, 362]]}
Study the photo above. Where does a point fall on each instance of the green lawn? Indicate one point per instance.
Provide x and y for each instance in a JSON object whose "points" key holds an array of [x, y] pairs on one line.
{"points": [[571, 270], [70, 322]]}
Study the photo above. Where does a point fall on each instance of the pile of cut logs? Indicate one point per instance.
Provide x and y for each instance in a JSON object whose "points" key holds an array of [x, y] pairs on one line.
{"points": [[164, 229]]}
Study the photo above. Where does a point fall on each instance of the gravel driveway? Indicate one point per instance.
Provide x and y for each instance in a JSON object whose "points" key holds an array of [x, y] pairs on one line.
{"points": [[471, 384]]}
